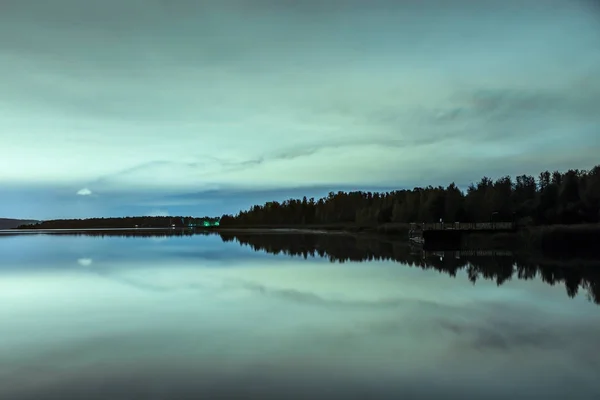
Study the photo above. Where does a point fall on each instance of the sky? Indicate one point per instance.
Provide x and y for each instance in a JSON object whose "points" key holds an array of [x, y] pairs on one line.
{"points": [[182, 107]]}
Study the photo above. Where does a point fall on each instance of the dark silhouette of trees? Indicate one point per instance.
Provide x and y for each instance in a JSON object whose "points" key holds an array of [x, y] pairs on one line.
{"points": [[572, 197]]}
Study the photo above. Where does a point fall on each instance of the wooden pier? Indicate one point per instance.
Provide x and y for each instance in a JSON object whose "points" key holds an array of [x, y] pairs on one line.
{"points": [[445, 235]]}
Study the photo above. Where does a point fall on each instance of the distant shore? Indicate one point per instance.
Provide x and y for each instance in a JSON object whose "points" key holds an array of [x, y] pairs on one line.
{"points": [[389, 228], [559, 238]]}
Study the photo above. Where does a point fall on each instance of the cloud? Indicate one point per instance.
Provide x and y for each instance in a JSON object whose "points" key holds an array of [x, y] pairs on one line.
{"points": [[84, 192], [340, 94], [158, 213]]}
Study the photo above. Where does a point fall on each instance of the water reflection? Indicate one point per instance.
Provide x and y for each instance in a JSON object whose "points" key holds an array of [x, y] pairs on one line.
{"points": [[499, 266], [97, 316], [102, 233]]}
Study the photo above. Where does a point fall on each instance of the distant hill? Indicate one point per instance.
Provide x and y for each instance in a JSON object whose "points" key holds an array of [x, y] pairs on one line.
{"points": [[8, 223]]}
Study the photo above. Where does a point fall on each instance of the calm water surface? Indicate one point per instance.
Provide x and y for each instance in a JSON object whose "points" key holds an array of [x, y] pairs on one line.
{"points": [[199, 317]]}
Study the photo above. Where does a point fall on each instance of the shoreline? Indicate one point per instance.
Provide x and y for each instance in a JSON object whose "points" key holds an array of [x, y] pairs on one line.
{"points": [[548, 238], [572, 238], [388, 228]]}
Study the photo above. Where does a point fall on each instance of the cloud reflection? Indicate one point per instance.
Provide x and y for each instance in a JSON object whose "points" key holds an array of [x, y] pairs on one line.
{"points": [[85, 262], [143, 323]]}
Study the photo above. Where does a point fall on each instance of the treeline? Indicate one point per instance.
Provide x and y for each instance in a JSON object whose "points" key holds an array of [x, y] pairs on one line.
{"points": [[571, 197], [576, 275], [119, 223]]}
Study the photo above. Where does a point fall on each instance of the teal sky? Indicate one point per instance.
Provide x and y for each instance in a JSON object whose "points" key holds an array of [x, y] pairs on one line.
{"points": [[202, 107]]}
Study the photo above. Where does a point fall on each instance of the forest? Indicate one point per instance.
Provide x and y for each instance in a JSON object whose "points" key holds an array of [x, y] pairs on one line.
{"points": [[571, 197], [553, 198]]}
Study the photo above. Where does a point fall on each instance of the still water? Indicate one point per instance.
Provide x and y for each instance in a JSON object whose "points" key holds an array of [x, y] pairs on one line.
{"points": [[286, 316]]}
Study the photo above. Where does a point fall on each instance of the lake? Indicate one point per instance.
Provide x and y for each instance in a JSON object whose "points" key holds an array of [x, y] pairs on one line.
{"points": [[290, 316]]}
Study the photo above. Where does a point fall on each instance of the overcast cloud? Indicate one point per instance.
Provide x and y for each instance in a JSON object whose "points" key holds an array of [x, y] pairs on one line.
{"points": [[129, 102]]}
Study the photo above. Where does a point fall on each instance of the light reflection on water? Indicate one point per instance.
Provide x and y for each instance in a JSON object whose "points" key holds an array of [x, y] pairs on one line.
{"points": [[196, 317]]}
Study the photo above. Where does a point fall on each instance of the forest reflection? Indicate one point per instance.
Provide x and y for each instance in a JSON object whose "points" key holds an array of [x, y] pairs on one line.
{"points": [[576, 274], [501, 266]]}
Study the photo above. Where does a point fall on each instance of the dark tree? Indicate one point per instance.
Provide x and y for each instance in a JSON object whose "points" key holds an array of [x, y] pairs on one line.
{"points": [[554, 198]]}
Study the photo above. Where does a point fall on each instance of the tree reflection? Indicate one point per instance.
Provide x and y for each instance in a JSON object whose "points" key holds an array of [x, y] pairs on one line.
{"points": [[500, 266], [146, 233]]}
